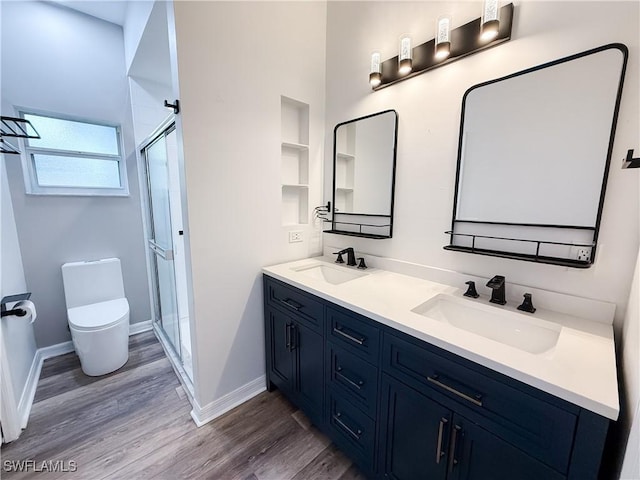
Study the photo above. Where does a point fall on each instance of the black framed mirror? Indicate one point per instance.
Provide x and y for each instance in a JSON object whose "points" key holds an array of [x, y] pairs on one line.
{"points": [[533, 159], [364, 165]]}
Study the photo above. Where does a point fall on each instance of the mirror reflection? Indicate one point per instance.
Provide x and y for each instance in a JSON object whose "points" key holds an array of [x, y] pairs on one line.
{"points": [[363, 176], [533, 157]]}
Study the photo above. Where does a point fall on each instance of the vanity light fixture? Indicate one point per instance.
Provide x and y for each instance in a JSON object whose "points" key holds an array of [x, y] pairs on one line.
{"points": [[375, 75], [443, 37], [405, 55], [490, 20], [450, 44]]}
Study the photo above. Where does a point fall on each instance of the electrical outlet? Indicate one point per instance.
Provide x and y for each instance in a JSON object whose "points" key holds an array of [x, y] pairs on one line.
{"points": [[295, 236], [582, 254]]}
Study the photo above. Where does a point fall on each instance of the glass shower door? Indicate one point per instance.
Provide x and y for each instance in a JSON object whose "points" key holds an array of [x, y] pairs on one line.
{"points": [[160, 242]]}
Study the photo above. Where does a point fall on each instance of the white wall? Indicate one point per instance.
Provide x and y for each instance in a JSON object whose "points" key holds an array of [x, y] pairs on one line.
{"points": [[235, 61], [17, 333], [55, 59], [136, 19], [150, 68], [429, 108], [630, 377]]}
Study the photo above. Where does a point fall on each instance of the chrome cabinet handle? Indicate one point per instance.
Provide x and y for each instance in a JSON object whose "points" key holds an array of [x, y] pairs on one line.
{"points": [[287, 336], [339, 331], [355, 435], [293, 339], [454, 443], [290, 303], [439, 452], [357, 384], [476, 401]]}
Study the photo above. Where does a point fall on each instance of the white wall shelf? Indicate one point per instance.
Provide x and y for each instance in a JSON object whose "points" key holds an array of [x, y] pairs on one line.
{"points": [[295, 146], [295, 161]]}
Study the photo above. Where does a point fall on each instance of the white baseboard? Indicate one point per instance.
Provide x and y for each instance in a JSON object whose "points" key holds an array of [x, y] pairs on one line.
{"points": [[29, 391], [140, 327], [220, 406], [55, 350]]}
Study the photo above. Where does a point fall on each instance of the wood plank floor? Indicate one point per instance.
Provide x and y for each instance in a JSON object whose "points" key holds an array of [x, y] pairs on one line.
{"points": [[135, 424]]}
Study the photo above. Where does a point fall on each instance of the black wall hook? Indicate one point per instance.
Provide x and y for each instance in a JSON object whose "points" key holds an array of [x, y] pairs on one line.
{"points": [[631, 162], [175, 106]]}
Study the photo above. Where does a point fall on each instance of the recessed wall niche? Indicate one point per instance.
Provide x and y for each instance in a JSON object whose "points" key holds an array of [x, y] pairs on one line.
{"points": [[294, 165]]}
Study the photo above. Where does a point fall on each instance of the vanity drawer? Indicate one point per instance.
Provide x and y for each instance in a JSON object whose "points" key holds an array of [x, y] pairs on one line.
{"points": [[355, 377], [360, 337], [352, 430], [303, 306], [542, 429]]}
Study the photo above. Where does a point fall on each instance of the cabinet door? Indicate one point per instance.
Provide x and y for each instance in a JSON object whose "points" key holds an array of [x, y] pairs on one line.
{"points": [[415, 434], [310, 357], [478, 454], [280, 351]]}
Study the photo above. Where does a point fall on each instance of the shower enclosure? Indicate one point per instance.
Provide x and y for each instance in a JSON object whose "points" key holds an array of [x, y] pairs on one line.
{"points": [[165, 243]]}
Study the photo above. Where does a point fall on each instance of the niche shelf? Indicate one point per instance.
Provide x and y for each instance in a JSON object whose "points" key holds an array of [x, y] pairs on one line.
{"points": [[294, 166]]}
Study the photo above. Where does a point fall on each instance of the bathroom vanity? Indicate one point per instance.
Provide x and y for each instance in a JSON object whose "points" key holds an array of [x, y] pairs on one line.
{"points": [[378, 362]]}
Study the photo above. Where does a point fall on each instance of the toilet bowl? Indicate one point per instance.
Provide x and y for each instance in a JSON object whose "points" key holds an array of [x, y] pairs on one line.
{"points": [[98, 314]]}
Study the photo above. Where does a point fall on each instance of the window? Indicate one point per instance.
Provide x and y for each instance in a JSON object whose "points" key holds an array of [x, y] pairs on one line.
{"points": [[74, 157]]}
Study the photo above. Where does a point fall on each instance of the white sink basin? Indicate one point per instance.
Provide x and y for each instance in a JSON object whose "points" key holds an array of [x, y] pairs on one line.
{"points": [[510, 328], [334, 275]]}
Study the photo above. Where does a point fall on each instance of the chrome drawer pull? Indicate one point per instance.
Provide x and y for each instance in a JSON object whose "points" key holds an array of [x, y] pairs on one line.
{"points": [[355, 435], [476, 401], [290, 303], [338, 330], [357, 384], [439, 452]]}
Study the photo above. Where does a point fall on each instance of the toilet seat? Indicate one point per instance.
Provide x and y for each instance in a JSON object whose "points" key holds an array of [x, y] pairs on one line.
{"points": [[97, 316]]}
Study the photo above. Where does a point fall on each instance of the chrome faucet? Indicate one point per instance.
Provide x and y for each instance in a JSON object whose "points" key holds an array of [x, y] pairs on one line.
{"points": [[497, 285], [351, 256]]}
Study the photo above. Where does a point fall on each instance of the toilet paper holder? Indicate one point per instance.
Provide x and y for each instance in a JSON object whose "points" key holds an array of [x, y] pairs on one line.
{"points": [[18, 312]]}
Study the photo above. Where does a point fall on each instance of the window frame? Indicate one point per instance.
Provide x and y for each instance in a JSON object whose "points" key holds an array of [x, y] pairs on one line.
{"points": [[32, 186]]}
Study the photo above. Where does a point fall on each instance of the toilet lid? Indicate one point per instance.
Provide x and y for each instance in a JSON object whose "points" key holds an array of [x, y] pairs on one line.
{"points": [[98, 315]]}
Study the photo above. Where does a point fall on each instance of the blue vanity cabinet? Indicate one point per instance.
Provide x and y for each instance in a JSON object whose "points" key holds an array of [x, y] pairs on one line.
{"points": [[353, 371], [404, 409], [426, 440], [295, 347], [414, 433], [491, 426]]}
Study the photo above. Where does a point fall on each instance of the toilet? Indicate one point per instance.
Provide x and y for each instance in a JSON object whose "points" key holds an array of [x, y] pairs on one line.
{"points": [[98, 314]]}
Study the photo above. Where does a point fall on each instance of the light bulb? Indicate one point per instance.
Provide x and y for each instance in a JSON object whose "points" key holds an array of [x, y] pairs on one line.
{"points": [[443, 37], [405, 55], [375, 73], [490, 20]]}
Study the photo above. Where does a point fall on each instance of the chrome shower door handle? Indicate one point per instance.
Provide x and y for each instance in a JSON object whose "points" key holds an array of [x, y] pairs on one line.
{"points": [[167, 254]]}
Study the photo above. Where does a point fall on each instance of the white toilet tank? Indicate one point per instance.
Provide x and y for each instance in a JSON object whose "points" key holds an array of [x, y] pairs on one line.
{"points": [[92, 282], [98, 314]]}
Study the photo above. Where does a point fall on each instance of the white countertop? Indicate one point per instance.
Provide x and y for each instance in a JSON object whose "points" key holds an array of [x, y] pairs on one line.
{"points": [[580, 369]]}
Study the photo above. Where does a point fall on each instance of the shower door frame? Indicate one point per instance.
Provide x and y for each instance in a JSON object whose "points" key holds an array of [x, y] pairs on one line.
{"points": [[174, 353]]}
